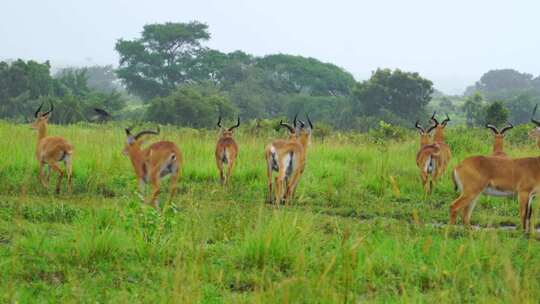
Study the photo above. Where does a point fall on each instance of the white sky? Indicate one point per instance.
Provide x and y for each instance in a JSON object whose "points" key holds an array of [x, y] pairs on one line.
{"points": [[452, 43]]}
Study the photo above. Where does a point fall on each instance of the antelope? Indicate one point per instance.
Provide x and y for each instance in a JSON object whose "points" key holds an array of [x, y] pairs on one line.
{"points": [[288, 158], [535, 133], [153, 163], [425, 157], [496, 176], [51, 150], [442, 158], [498, 144], [226, 151]]}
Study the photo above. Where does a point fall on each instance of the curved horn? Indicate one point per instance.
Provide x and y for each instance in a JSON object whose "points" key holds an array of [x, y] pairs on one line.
{"points": [[147, 132], [281, 124], [434, 119], [309, 121], [493, 128], [41, 106], [128, 129], [294, 120], [508, 127], [536, 122], [446, 120], [419, 127], [219, 121], [431, 129], [49, 112], [302, 124], [235, 126]]}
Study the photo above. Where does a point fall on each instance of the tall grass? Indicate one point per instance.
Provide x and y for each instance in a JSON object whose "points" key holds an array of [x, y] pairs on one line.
{"points": [[359, 229]]}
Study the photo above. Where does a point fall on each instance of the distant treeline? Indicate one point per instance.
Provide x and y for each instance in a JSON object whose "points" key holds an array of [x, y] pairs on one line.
{"points": [[169, 76]]}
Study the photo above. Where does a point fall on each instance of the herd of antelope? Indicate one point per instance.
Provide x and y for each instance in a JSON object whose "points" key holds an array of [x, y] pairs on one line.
{"points": [[495, 175]]}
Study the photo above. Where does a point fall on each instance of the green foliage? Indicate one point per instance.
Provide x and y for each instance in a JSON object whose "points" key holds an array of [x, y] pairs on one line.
{"points": [[194, 106], [496, 114], [402, 93], [155, 64], [474, 110]]}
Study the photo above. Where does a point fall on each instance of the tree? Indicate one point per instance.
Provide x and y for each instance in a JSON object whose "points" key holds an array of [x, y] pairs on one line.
{"points": [[502, 84], [159, 61], [520, 106], [297, 74], [195, 106], [473, 109], [402, 93], [496, 114]]}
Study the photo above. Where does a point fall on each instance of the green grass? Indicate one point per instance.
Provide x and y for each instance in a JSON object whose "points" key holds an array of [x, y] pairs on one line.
{"points": [[359, 229]]}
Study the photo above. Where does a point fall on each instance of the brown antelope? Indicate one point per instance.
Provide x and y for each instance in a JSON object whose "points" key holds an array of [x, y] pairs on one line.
{"points": [[425, 157], [496, 176], [535, 133], [443, 157], [153, 163], [288, 158], [51, 150], [498, 144], [226, 151]]}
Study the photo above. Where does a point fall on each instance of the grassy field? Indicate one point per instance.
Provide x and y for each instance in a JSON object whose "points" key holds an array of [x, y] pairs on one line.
{"points": [[359, 229]]}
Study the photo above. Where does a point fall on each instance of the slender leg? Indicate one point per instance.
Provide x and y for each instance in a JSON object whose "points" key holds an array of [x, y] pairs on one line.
{"points": [[525, 210], [292, 183], [154, 179], [229, 169], [269, 198], [56, 168], [467, 210], [219, 162], [41, 178], [279, 185], [69, 172], [462, 201]]}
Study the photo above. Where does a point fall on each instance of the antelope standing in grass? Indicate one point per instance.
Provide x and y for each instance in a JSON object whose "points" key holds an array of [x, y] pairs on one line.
{"points": [[425, 157], [153, 163], [498, 143], [52, 150], [442, 158], [226, 151], [288, 159], [496, 176]]}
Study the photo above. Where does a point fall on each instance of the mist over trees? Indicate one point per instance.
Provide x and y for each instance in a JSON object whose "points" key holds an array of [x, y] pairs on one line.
{"points": [[168, 75]]}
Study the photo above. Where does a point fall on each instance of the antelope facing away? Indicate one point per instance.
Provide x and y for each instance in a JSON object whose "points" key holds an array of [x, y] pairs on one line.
{"points": [[496, 176], [425, 157], [52, 150], [443, 157], [153, 163], [498, 144], [226, 151], [288, 158]]}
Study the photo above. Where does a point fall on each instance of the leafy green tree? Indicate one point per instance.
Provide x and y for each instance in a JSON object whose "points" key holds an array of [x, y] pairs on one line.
{"points": [[195, 106], [473, 109], [496, 114], [520, 106], [402, 93], [297, 74], [163, 58]]}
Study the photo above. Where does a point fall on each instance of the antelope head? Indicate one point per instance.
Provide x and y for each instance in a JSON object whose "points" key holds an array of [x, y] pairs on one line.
{"points": [[41, 118], [230, 131], [439, 127], [134, 142]]}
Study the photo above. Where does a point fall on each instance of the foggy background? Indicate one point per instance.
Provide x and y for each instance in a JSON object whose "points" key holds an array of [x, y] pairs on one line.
{"points": [[451, 43]]}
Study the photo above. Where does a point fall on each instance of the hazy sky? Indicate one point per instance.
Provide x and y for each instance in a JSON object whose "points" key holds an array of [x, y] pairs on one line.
{"points": [[452, 43]]}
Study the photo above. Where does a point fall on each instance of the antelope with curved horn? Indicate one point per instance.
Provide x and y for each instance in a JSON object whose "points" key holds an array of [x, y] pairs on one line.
{"points": [[287, 158], [425, 157], [498, 144], [535, 133], [153, 163], [226, 151], [52, 150], [496, 176], [444, 155]]}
